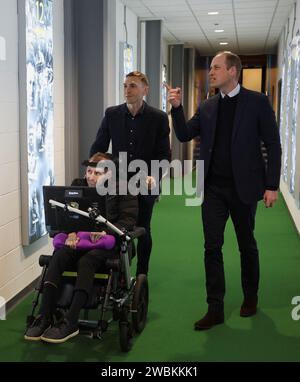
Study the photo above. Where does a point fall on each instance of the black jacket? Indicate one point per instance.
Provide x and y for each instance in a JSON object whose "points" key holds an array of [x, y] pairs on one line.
{"points": [[254, 122], [152, 141], [121, 210]]}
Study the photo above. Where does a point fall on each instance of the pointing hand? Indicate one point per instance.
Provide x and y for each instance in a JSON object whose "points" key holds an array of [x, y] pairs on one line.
{"points": [[174, 95]]}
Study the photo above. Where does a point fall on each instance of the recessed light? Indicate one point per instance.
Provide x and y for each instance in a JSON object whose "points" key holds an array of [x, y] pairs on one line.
{"points": [[219, 30], [212, 13], [223, 43]]}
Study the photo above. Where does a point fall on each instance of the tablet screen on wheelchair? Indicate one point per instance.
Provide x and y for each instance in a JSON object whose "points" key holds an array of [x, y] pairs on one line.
{"points": [[62, 220]]}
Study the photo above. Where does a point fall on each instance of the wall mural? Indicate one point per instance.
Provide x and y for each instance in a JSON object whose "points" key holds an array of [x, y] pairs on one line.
{"points": [[164, 93], [128, 59], [39, 111], [281, 122], [295, 48], [286, 99], [289, 129]]}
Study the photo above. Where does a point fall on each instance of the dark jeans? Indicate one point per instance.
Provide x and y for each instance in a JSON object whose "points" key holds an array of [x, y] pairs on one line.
{"points": [[146, 203], [220, 203], [86, 263]]}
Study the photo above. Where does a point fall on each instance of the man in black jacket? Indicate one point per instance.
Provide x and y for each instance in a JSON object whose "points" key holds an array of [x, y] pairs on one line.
{"points": [[231, 126], [142, 132]]}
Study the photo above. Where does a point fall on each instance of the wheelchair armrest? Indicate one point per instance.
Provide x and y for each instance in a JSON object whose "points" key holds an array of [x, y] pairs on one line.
{"points": [[137, 232], [44, 260]]}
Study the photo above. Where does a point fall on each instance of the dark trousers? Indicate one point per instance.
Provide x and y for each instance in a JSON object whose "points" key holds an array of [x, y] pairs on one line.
{"points": [[86, 263], [146, 203], [220, 203]]}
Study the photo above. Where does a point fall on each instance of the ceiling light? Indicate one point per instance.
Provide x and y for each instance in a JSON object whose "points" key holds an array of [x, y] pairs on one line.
{"points": [[219, 30], [223, 43], [213, 13]]}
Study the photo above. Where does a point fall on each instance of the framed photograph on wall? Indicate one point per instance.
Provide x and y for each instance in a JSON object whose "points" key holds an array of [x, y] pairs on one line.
{"points": [[128, 58], [36, 112], [125, 65], [164, 93]]}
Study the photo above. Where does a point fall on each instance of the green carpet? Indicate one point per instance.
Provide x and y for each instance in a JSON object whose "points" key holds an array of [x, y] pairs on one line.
{"points": [[177, 299]]}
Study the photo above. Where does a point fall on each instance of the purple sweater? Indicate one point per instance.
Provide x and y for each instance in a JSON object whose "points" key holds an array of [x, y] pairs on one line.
{"points": [[105, 242]]}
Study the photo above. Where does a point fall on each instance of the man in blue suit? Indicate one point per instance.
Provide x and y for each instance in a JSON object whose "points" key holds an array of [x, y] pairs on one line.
{"points": [[231, 127]]}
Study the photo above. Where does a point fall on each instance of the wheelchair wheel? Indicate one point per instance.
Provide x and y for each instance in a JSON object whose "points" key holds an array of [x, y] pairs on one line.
{"points": [[140, 303], [125, 336]]}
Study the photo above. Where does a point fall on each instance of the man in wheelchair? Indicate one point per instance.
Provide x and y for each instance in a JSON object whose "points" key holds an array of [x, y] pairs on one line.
{"points": [[88, 252]]}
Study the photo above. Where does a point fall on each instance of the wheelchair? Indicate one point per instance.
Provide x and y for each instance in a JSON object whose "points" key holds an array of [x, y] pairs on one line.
{"points": [[116, 295]]}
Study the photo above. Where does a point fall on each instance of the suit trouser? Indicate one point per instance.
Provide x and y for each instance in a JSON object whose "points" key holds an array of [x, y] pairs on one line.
{"points": [[220, 203], [144, 247]]}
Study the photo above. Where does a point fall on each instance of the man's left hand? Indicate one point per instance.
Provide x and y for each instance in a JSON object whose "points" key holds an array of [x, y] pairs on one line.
{"points": [[270, 198]]}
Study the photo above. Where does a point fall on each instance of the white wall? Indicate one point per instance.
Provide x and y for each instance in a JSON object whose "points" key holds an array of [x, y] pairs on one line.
{"points": [[132, 39], [19, 265], [165, 53], [284, 41]]}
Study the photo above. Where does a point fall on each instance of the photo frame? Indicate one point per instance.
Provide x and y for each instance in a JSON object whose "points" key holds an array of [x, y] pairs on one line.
{"points": [[164, 92], [36, 112], [125, 65]]}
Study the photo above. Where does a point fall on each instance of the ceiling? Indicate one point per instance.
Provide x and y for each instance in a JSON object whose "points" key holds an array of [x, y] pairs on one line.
{"points": [[250, 26]]}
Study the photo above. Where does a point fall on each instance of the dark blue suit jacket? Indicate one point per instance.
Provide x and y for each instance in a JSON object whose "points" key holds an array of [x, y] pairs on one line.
{"points": [[254, 122]]}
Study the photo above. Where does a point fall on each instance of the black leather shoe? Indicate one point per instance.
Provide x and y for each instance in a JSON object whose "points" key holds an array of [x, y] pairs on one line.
{"points": [[209, 320], [37, 328], [249, 307]]}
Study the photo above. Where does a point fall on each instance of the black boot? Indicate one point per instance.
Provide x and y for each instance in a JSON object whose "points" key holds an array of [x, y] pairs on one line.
{"points": [[211, 319]]}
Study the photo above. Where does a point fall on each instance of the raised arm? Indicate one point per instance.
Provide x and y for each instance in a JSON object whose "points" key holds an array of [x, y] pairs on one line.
{"points": [[185, 131]]}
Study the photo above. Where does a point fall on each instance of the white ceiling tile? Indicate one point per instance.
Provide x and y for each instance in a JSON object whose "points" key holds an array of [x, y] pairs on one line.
{"points": [[166, 7], [173, 12], [208, 3], [253, 12], [256, 4], [204, 12], [131, 2], [236, 2], [179, 19], [224, 25], [249, 21]]}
